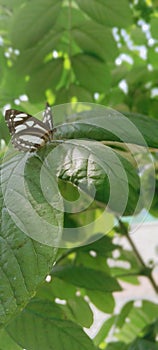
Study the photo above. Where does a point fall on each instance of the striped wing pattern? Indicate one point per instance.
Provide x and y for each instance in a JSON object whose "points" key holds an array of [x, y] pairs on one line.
{"points": [[28, 133]]}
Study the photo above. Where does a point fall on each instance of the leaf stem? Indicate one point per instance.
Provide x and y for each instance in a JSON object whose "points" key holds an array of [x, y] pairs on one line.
{"points": [[147, 271]]}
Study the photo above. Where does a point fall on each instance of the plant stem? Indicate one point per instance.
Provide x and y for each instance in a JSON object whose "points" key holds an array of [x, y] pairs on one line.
{"points": [[65, 254], [125, 232]]}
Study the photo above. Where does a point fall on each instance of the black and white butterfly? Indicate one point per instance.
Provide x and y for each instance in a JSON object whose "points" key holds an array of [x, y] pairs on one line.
{"points": [[28, 133]]}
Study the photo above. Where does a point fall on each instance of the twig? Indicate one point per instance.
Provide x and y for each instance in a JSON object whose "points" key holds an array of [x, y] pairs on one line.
{"points": [[147, 271]]}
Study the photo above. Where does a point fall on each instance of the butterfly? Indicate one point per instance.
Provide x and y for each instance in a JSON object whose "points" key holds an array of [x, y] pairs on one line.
{"points": [[28, 133]]}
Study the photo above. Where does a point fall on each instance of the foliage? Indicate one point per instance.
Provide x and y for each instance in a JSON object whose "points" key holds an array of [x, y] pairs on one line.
{"points": [[103, 52]]}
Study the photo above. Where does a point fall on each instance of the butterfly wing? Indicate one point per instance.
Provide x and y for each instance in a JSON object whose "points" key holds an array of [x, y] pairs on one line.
{"points": [[28, 133], [14, 119], [48, 117]]}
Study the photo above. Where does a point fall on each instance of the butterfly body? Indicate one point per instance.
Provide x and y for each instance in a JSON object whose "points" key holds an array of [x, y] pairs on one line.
{"points": [[29, 133]]}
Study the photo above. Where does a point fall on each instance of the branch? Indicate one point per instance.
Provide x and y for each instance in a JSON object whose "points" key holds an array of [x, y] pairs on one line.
{"points": [[147, 271]]}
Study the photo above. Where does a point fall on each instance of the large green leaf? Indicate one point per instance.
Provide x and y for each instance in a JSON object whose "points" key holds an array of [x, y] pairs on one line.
{"points": [[95, 39], [87, 278], [6, 342], [33, 21], [24, 262], [92, 73], [111, 126], [54, 332], [109, 13], [30, 59], [86, 165]]}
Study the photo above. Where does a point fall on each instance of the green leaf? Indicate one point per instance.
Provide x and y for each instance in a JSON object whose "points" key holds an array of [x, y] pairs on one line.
{"points": [[104, 331], [4, 132], [44, 307], [153, 56], [137, 319], [155, 3], [3, 63], [118, 74], [138, 36], [95, 39], [91, 73], [11, 3], [124, 313], [102, 247], [74, 92], [78, 310], [32, 58], [142, 344], [53, 331], [103, 125], [63, 21], [147, 126], [137, 74], [24, 262], [78, 229], [93, 262], [129, 256], [46, 77], [38, 181], [75, 308], [28, 262], [99, 158], [87, 278], [103, 301], [6, 342], [56, 289], [153, 25], [33, 21], [129, 279], [117, 346], [9, 90], [114, 98], [113, 14]]}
